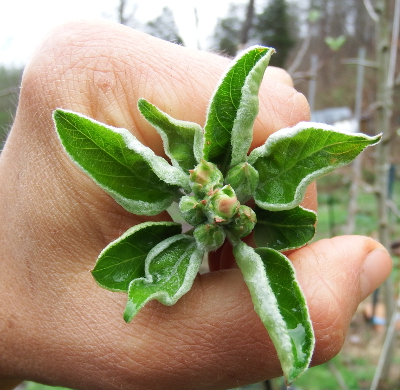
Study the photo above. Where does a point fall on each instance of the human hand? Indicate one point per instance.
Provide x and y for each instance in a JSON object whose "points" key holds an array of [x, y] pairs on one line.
{"points": [[57, 325]]}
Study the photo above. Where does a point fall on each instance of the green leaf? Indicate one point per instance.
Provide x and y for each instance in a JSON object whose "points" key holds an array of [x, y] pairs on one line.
{"points": [[284, 230], [170, 269], [233, 109], [130, 172], [123, 259], [280, 304], [292, 158], [181, 138], [335, 43]]}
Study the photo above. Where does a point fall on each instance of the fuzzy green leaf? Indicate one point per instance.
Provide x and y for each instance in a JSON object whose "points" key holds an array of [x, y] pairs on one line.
{"points": [[280, 304], [123, 259], [170, 269], [285, 229], [130, 172], [181, 138], [294, 157], [233, 109]]}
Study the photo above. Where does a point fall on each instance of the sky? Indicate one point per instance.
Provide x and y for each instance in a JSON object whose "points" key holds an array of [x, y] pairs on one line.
{"points": [[24, 23]]}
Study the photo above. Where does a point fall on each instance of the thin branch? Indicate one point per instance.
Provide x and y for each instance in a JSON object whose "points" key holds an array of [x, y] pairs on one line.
{"points": [[394, 208], [309, 74], [386, 346], [373, 107], [300, 54], [248, 23], [357, 61], [9, 91], [393, 46], [196, 18], [338, 376], [397, 80], [367, 188], [121, 9], [374, 16]]}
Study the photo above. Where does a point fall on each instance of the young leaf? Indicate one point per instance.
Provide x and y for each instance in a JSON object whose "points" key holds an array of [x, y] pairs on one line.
{"points": [[280, 304], [130, 172], [170, 269], [181, 139], [233, 109], [284, 230], [123, 259], [292, 158]]}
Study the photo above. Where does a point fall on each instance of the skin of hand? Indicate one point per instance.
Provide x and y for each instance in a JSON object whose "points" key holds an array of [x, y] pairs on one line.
{"points": [[57, 326]]}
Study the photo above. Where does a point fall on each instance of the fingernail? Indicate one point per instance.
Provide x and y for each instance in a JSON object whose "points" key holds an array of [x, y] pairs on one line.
{"points": [[374, 271]]}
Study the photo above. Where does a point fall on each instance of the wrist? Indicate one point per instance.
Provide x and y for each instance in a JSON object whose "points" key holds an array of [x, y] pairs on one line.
{"points": [[11, 317]]}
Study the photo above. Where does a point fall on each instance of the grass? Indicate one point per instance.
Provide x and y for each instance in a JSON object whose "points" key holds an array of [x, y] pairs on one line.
{"points": [[354, 374], [333, 199]]}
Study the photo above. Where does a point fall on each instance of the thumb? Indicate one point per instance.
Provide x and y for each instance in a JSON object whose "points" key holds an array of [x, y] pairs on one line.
{"points": [[336, 275]]}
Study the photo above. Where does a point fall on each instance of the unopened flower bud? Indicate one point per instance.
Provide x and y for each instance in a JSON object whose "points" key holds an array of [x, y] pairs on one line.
{"points": [[192, 210], [209, 237], [205, 177], [223, 204], [244, 180], [243, 223]]}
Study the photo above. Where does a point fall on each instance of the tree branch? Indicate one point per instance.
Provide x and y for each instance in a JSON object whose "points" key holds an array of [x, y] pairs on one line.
{"points": [[386, 346], [248, 23], [394, 208], [300, 54], [374, 16], [393, 46], [9, 91]]}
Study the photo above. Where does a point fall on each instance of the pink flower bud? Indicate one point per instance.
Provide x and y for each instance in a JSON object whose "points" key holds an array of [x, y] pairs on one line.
{"points": [[224, 204], [205, 178]]}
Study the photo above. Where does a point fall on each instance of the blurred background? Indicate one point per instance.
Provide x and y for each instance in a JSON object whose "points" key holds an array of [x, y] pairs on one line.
{"points": [[343, 55]]}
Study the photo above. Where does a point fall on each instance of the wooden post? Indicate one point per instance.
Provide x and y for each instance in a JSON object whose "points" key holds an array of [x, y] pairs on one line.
{"points": [[357, 164], [382, 160], [312, 86]]}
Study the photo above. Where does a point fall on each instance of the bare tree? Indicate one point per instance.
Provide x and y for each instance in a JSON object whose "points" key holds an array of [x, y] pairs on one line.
{"points": [[385, 90], [357, 164], [125, 16], [10, 79], [164, 27], [227, 31], [247, 25]]}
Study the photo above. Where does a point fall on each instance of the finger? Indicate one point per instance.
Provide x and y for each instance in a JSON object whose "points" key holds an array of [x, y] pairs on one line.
{"points": [[102, 69], [336, 275], [279, 75]]}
